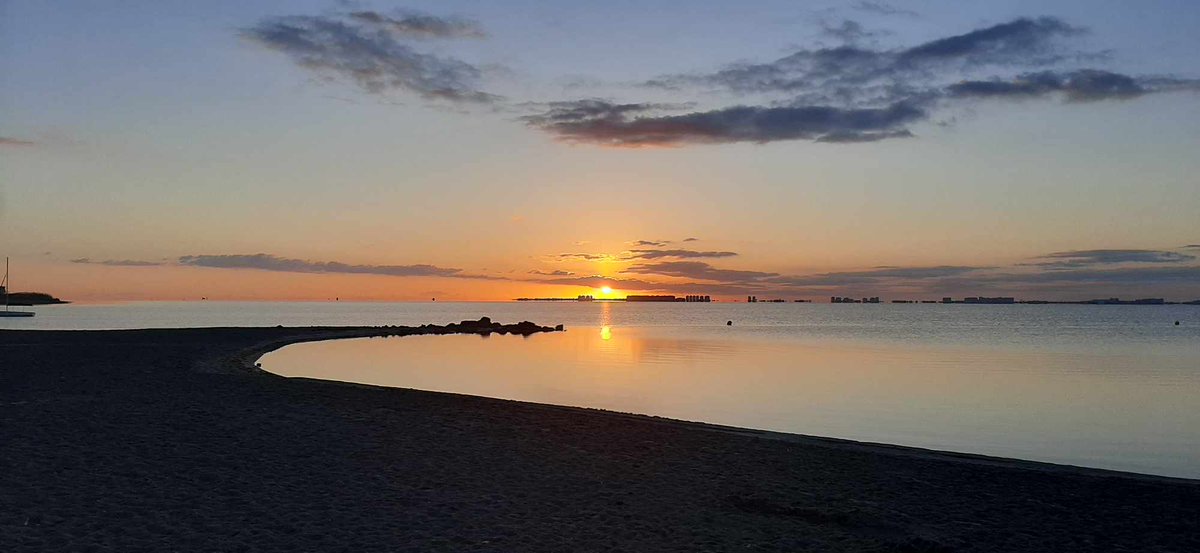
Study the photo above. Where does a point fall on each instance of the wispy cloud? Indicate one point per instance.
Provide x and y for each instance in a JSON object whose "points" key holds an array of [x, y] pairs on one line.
{"points": [[683, 254], [1124, 276], [118, 262], [8, 141], [585, 256], [412, 23], [876, 276], [883, 8], [651, 243], [736, 124], [1087, 85], [370, 49], [558, 272], [848, 31], [696, 270], [1085, 258], [267, 262]]}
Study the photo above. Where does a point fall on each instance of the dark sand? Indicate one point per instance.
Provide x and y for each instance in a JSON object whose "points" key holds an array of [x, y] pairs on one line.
{"points": [[160, 440]]}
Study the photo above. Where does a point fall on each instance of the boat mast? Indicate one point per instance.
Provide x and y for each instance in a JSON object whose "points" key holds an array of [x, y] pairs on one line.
{"points": [[5, 283]]}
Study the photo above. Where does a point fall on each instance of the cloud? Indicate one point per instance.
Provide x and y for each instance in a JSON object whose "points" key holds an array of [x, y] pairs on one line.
{"points": [[882, 8], [734, 124], [878, 275], [851, 137], [366, 48], [267, 262], [639, 285], [1085, 85], [1125, 276], [118, 262], [848, 31], [558, 272], [421, 25], [1192, 246], [1085, 258], [845, 71], [691, 239], [584, 256], [697, 270], [654, 243], [8, 141], [657, 254], [850, 93], [997, 44], [600, 281]]}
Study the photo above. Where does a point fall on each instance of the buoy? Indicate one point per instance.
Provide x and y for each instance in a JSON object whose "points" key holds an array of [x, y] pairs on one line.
{"points": [[1176, 323], [728, 323]]}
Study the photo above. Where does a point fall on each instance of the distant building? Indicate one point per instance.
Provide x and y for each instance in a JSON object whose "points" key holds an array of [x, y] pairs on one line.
{"points": [[998, 300], [651, 298]]}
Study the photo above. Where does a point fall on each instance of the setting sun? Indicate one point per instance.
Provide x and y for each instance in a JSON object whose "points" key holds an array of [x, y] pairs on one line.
{"points": [[606, 290]]}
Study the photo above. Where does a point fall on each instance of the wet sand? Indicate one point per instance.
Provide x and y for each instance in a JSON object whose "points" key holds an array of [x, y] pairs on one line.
{"points": [[170, 440]]}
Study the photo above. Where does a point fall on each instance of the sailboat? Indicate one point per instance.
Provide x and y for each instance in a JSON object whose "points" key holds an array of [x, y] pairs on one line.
{"points": [[4, 287]]}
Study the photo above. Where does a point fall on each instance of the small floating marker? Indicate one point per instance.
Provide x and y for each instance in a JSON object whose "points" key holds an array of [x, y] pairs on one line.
{"points": [[1176, 323], [728, 323]]}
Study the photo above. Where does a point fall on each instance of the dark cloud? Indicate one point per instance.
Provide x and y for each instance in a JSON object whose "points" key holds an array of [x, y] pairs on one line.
{"points": [[690, 239], [734, 124], [683, 254], [697, 270], [1014, 41], [558, 272], [851, 93], [652, 243], [15, 142], [1124, 276], [584, 256], [883, 8], [421, 25], [844, 72], [366, 48], [118, 262], [267, 262], [878, 275], [1086, 258], [1086, 85], [590, 109], [1192, 246]]}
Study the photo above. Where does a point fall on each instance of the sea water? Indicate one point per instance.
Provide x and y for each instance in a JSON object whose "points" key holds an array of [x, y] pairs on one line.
{"points": [[1101, 386]]}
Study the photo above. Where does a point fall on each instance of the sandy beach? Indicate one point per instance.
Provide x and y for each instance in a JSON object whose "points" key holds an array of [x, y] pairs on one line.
{"points": [[170, 440]]}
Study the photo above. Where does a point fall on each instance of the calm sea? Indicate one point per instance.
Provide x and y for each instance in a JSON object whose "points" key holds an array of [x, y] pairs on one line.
{"points": [[1102, 386]]}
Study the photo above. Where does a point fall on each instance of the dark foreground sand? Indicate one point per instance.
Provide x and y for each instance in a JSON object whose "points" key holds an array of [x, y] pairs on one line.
{"points": [[157, 440]]}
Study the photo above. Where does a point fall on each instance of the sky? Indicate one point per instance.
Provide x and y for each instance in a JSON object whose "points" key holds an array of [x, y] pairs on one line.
{"points": [[470, 150]]}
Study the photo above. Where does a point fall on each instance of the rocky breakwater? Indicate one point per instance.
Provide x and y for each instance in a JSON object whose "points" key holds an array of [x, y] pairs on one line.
{"points": [[485, 326]]}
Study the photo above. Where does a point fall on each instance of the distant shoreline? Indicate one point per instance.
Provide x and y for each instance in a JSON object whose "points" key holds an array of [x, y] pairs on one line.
{"points": [[28, 299]]}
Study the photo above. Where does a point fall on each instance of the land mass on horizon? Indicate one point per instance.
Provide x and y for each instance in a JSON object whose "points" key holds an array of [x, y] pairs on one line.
{"points": [[33, 298]]}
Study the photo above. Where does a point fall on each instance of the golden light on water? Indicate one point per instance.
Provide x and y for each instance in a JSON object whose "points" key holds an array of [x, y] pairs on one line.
{"points": [[606, 333]]}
